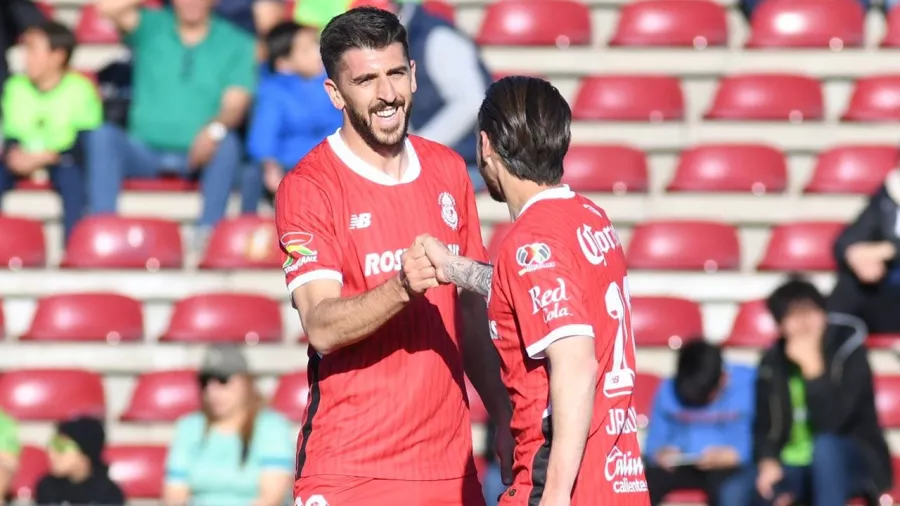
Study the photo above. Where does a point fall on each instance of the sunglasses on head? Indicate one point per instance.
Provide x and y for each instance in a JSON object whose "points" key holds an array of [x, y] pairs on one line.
{"points": [[205, 379]]}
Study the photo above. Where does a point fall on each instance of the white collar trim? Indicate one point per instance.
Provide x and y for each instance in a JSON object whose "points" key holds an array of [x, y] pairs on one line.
{"points": [[557, 192], [357, 165]]}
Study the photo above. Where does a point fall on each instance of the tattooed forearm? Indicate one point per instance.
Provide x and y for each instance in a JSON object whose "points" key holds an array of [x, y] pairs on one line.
{"points": [[469, 274]]}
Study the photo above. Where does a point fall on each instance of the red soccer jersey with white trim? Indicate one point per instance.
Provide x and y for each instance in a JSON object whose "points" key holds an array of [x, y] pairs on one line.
{"points": [[560, 273], [392, 406]]}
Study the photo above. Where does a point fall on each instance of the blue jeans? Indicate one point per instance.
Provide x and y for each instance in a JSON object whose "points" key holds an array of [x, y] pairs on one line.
{"points": [[836, 474], [493, 486], [113, 155], [67, 180], [252, 187]]}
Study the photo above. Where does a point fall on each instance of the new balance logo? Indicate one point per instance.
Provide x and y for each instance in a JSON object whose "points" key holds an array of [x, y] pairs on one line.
{"points": [[361, 220]]}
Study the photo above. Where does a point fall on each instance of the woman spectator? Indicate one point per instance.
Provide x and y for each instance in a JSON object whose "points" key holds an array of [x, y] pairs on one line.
{"points": [[233, 452]]}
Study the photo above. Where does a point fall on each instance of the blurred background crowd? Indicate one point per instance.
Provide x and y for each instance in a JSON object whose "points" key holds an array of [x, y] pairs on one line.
{"points": [[148, 350]]}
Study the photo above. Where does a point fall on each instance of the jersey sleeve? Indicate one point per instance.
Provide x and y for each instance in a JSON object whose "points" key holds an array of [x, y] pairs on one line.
{"points": [[307, 234], [545, 291], [470, 225]]}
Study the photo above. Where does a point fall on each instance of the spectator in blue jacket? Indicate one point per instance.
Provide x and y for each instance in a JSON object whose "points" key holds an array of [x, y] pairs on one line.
{"points": [[700, 434], [293, 112]]}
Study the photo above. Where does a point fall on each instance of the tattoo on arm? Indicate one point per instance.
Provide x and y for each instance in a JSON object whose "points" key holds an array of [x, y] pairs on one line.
{"points": [[469, 274]]}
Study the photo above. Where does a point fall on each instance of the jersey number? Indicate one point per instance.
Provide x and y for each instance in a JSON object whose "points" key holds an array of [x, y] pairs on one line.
{"points": [[620, 378]]}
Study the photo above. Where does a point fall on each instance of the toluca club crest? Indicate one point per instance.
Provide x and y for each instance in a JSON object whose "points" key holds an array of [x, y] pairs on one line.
{"points": [[448, 210]]}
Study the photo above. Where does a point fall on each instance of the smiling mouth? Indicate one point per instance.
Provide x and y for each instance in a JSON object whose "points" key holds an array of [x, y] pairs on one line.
{"points": [[388, 112]]}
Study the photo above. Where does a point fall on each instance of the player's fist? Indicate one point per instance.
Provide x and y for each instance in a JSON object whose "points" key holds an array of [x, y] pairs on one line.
{"points": [[437, 253], [417, 274]]}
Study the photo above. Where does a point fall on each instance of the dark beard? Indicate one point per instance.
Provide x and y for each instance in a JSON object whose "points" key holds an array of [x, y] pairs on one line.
{"points": [[363, 127], [493, 189]]}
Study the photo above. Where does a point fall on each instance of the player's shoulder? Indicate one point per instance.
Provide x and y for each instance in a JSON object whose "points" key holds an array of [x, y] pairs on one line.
{"points": [[435, 151], [318, 168]]}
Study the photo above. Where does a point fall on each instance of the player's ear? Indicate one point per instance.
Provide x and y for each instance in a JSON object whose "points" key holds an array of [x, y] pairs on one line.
{"points": [[487, 150], [412, 76], [336, 99]]}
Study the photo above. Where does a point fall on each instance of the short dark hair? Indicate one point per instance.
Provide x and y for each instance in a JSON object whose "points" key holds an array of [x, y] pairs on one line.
{"points": [[528, 123], [797, 289], [280, 40], [360, 28], [59, 37], [699, 373]]}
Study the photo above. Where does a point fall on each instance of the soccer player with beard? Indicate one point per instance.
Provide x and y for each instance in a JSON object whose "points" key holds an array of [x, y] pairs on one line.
{"points": [[559, 308], [387, 420]]}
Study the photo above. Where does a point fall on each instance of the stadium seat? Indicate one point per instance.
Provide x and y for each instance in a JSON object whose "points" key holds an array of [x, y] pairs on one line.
{"points": [[892, 37], [684, 245], [753, 326], [629, 98], [51, 394], [225, 317], [767, 97], [882, 341], [21, 243], [645, 386], [853, 169], [477, 412], [33, 465], [163, 396], [290, 396], [106, 317], [124, 243], [692, 496], [243, 243], [730, 168], [665, 321], [606, 168], [677, 23], [139, 470], [92, 28], [160, 184], [875, 98], [498, 233], [801, 246], [46, 9], [887, 400], [807, 24], [524, 23], [440, 9]]}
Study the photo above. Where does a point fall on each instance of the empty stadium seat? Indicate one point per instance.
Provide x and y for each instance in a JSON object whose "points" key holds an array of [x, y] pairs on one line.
{"points": [[875, 98], [609, 168], [731, 168], [524, 23], [801, 246], [692, 496], [33, 465], [665, 321], [645, 386], [767, 97], [21, 243], [497, 234], [163, 396], [852, 169], [753, 326], [477, 412], [684, 245], [242, 243], [291, 394], [629, 98], [124, 243], [87, 317], [440, 9], [92, 28], [892, 37], [51, 394], [684, 23], [139, 470], [882, 341], [887, 400], [225, 317], [807, 24]]}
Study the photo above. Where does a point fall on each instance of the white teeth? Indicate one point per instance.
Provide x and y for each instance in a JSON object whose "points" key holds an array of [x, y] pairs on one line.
{"points": [[386, 113]]}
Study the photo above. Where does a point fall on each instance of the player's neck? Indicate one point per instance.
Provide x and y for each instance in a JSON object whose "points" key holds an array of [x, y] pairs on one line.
{"points": [[390, 159], [519, 195]]}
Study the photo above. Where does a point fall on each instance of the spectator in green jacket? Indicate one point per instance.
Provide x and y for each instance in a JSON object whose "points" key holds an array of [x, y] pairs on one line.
{"points": [[9, 455]]}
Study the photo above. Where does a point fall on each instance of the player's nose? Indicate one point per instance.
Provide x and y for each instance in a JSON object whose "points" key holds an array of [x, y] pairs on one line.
{"points": [[386, 91]]}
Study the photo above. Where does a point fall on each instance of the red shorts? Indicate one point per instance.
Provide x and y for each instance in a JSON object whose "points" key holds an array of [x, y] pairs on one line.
{"points": [[336, 490]]}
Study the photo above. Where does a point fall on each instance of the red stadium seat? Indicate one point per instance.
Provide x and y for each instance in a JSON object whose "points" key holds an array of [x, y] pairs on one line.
{"points": [[477, 412], [801, 246], [645, 386], [33, 465], [87, 317], [730, 168], [853, 169], [92, 28], [882, 341], [684, 245], [163, 396], [160, 184], [692, 496], [753, 326], [767, 97], [440, 9], [875, 98], [51, 394], [124, 243], [498, 233], [807, 24], [887, 400], [289, 7], [46, 9], [665, 321], [525, 23], [243, 243], [684, 23], [629, 98], [225, 317], [139, 470], [21, 243], [892, 38], [291, 395], [90, 74], [610, 168]]}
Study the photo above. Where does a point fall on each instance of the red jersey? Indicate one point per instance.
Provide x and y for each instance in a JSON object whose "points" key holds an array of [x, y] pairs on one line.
{"points": [[560, 272], [394, 405]]}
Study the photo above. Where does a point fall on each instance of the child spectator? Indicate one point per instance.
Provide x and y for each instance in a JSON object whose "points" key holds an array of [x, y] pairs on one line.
{"points": [[293, 113], [78, 474], [46, 111]]}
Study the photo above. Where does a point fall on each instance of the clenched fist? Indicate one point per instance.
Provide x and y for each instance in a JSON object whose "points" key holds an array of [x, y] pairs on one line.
{"points": [[437, 253], [418, 273]]}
